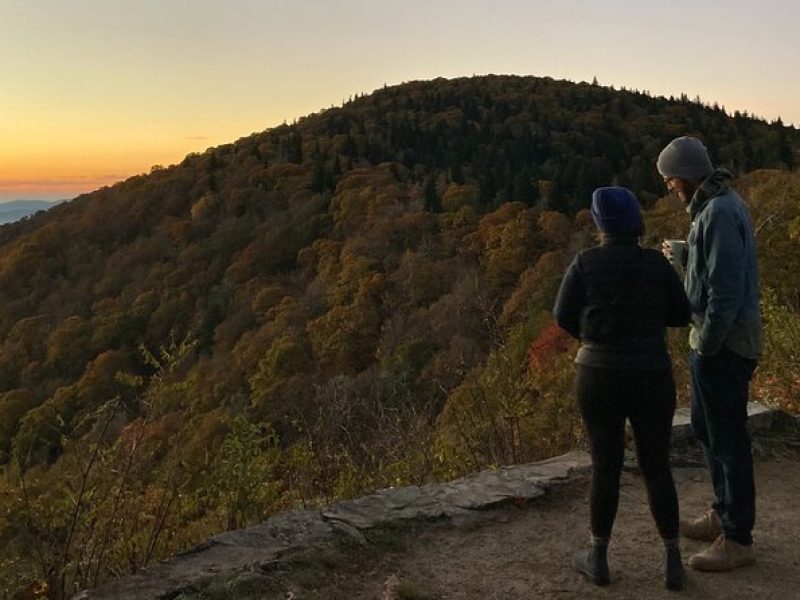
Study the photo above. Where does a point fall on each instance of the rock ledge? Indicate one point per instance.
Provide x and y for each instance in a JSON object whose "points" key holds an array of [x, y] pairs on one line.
{"points": [[260, 546]]}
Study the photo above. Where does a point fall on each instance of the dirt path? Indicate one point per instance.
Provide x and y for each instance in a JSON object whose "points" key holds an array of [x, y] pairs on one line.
{"points": [[525, 553]]}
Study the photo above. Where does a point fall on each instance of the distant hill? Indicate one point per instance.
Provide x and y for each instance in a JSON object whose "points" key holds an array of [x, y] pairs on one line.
{"points": [[17, 209], [357, 300]]}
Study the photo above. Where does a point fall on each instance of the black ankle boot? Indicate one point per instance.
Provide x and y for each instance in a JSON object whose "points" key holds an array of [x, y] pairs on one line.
{"points": [[592, 564], [674, 573]]}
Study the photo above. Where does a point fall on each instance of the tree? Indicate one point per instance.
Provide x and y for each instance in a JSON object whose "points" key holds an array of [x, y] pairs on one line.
{"points": [[432, 202], [13, 406]]}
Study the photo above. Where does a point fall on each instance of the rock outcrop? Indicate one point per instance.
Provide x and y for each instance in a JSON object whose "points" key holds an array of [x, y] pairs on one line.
{"points": [[261, 546]]}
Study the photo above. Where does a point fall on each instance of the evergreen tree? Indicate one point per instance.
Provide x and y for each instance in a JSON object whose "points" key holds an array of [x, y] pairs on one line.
{"points": [[432, 202]]}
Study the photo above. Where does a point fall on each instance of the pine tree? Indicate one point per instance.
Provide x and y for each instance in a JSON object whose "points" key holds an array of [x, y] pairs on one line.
{"points": [[432, 202]]}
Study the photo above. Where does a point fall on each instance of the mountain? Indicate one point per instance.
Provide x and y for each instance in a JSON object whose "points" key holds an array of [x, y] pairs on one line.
{"points": [[356, 300], [14, 210]]}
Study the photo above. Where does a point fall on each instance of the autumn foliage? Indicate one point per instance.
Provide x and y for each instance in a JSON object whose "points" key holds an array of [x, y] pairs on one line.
{"points": [[356, 300], [548, 347]]}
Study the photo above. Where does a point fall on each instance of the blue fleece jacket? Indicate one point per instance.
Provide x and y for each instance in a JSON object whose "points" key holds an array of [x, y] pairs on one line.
{"points": [[721, 271]]}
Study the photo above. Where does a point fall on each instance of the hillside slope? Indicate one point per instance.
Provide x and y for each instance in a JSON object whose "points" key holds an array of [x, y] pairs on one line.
{"points": [[357, 300]]}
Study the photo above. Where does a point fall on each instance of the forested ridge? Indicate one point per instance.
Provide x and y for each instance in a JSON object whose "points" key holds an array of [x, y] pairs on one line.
{"points": [[356, 300]]}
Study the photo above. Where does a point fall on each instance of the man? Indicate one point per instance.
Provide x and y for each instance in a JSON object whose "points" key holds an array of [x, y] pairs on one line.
{"points": [[725, 339]]}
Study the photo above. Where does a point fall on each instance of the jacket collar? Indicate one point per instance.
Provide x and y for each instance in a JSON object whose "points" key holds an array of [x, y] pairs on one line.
{"points": [[618, 240], [714, 185]]}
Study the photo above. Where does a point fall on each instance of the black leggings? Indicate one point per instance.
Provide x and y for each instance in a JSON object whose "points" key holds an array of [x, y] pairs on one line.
{"points": [[647, 398]]}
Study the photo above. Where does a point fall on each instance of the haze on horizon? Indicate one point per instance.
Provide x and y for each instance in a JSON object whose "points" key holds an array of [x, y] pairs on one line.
{"points": [[94, 92]]}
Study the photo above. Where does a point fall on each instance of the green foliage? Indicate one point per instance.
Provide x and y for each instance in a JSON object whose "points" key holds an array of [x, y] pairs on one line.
{"points": [[420, 279], [370, 430], [777, 380], [41, 430], [241, 481], [287, 358], [512, 410], [104, 504], [343, 339], [14, 405], [774, 198], [409, 359], [69, 347]]}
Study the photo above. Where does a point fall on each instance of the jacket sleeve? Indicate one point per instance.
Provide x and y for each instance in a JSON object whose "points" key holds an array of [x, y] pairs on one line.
{"points": [[570, 300], [723, 249], [679, 311]]}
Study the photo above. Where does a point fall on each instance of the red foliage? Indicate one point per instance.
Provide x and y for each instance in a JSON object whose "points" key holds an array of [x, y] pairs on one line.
{"points": [[545, 349]]}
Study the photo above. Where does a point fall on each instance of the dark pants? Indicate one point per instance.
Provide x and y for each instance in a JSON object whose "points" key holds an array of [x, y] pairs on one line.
{"points": [[719, 419], [647, 399]]}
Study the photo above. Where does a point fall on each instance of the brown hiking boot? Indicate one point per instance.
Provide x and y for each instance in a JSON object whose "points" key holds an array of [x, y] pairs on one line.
{"points": [[706, 528], [724, 555]]}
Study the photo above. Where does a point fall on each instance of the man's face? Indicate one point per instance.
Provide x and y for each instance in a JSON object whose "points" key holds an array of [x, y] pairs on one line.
{"points": [[683, 188]]}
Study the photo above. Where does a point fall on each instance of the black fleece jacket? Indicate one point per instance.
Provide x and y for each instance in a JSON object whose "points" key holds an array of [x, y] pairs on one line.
{"points": [[618, 298]]}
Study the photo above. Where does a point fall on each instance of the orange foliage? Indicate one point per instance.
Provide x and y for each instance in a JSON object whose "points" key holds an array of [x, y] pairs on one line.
{"points": [[583, 219], [507, 241], [458, 196], [536, 286], [362, 195], [550, 345], [556, 227]]}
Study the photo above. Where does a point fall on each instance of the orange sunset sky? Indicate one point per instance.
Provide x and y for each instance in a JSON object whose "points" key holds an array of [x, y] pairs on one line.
{"points": [[93, 92]]}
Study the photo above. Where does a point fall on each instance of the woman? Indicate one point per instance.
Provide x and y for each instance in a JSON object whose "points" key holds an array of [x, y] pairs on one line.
{"points": [[618, 298]]}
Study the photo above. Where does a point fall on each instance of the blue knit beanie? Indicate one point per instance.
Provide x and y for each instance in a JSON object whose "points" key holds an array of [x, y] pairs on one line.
{"points": [[616, 211], [686, 158]]}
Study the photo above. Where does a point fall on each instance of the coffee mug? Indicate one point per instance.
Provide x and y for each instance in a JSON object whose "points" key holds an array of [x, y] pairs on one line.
{"points": [[678, 249]]}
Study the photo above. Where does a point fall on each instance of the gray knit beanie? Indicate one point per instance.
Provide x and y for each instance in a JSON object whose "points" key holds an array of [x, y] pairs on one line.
{"points": [[686, 158]]}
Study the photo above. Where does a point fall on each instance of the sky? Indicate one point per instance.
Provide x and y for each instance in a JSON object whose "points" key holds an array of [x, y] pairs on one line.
{"points": [[95, 91]]}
